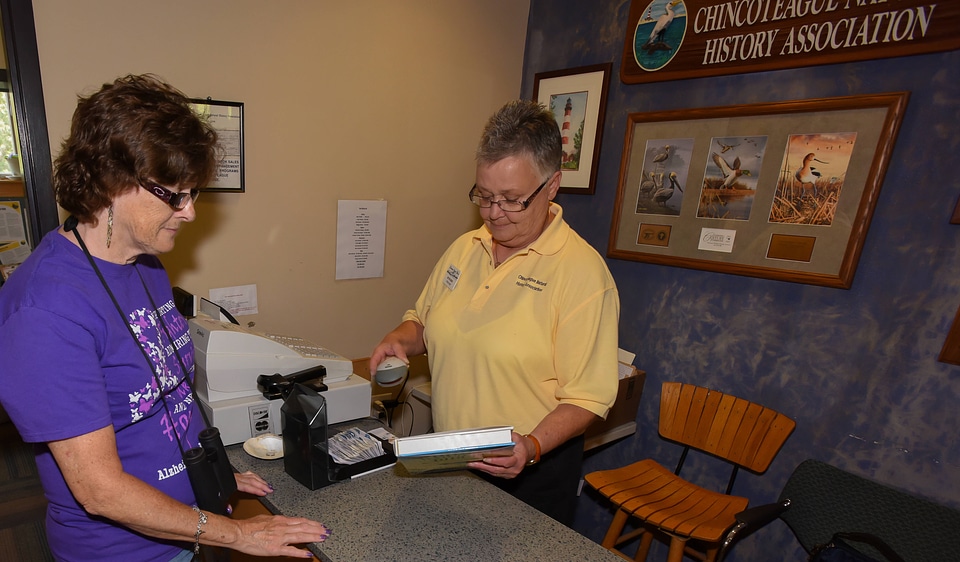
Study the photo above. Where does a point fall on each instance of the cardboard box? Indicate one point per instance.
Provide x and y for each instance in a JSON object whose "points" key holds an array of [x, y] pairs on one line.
{"points": [[623, 412]]}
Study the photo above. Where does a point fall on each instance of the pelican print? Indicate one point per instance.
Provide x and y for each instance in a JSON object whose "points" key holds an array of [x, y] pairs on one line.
{"points": [[647, 183], [663, 154], [657, 182], [665, 192], [730, 173]]}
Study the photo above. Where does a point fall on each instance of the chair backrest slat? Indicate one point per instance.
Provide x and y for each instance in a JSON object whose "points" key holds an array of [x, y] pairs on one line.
{"points": [[730, 426], [709, 402], [739, 445], [669, 404], [734, 429], [755, 435], [720, 419], [687, 409], [779, 429]]}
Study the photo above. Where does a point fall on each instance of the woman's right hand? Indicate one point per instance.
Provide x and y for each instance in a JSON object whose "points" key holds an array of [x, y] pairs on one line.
{"points": [[406, 339], [386, 349]]}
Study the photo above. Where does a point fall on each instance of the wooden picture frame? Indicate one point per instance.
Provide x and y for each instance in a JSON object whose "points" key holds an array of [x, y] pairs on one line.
{"points": [[781, 190], [578, 99], [950, 352], [955, 219], [226, 117]]}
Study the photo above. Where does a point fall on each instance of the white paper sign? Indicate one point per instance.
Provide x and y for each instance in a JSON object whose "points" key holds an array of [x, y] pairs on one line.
{"points": [[361, 237], [238, 300], [11, 222], [717, 240]]}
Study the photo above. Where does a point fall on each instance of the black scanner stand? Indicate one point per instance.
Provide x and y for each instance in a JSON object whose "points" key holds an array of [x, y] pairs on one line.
{"points": [[277, 386]]}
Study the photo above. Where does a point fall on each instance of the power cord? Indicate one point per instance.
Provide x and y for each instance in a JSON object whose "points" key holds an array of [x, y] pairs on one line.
{"points": [[386, 410], [390, 405], [412, 415]]}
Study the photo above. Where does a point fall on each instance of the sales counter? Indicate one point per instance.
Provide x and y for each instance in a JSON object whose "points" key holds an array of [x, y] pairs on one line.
{"points": [[390, 515]]}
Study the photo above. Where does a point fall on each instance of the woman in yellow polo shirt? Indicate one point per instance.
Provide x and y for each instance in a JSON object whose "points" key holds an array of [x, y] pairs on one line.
{"points": [[519, 318]]}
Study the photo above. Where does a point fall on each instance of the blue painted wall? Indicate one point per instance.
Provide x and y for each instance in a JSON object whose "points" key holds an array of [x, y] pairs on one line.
{"points": [[857, 369]]}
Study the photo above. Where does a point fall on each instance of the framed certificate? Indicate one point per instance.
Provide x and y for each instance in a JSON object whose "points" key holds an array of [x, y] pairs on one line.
{"points": [[226, 117]]}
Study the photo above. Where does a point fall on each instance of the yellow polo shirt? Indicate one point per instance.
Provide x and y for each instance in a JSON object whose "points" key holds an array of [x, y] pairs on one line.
{"points": [[507, 345]]}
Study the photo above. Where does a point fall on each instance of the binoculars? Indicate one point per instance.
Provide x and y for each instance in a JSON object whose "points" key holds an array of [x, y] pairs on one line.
{"points": [[210, 473]]}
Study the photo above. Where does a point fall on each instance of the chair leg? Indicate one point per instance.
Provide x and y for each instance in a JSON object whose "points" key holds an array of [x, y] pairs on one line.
{"points": [[676, 549], [645, 541], [711, 553], [615, 529]]}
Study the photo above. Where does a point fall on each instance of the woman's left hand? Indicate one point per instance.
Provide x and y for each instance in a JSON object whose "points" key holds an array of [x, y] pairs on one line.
{"points": [[250, 483], [506, 467]]}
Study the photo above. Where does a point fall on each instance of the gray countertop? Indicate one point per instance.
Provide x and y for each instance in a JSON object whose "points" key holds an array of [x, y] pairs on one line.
{"points": [[390, 515]]}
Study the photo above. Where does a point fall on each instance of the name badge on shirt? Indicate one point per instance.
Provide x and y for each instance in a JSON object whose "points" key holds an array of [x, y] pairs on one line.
{"points": [[451, 278]]}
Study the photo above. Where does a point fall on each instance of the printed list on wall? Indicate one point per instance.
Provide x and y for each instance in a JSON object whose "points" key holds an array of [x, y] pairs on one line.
{"points": [[361, 236]]}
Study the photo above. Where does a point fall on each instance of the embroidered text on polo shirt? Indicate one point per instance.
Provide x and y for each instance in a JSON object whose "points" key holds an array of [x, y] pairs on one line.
{"points": [[530, 283]]}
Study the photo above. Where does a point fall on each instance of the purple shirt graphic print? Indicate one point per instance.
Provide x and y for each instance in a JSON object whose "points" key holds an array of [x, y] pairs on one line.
{"points": [[168, 354]]}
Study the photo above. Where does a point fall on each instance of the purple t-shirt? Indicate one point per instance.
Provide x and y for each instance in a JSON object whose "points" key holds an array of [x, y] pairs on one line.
{"points": [[69, 366]]}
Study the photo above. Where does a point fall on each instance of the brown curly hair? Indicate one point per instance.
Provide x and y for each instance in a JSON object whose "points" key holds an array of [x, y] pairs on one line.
{"points": [[135, 130]]}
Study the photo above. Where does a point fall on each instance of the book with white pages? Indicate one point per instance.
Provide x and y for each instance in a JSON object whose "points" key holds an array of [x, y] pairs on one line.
{"points": [[452, 450]]}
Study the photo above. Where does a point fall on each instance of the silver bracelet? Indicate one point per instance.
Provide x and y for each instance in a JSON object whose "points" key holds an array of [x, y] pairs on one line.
{"points": [[200, 523]]}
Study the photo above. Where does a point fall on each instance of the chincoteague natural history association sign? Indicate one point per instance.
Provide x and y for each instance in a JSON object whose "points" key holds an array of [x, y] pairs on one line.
{"points": [[678, 39]]}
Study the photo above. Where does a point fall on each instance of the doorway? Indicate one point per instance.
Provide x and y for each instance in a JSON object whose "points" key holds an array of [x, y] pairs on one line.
{"points": [[28, 208]]}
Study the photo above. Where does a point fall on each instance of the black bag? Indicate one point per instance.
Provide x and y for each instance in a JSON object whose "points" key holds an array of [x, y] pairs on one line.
{"points": [[837, 550]]}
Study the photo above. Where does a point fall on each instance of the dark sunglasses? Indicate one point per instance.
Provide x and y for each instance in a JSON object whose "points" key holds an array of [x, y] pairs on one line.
{"points": [[176, 200]]}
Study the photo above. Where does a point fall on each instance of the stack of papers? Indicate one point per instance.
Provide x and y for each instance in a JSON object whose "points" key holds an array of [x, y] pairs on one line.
{"points": [[354, 445]]}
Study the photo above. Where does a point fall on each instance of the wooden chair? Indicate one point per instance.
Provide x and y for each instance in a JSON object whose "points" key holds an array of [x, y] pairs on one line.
{"points": [[743, 433]]}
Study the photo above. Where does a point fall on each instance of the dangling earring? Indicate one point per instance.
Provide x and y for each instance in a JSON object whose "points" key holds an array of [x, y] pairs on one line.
{"points": [[109, 225]]}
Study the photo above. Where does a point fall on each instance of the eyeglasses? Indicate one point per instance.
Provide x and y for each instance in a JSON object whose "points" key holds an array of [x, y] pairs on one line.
{"points": [[507, 205], [176, 200]]}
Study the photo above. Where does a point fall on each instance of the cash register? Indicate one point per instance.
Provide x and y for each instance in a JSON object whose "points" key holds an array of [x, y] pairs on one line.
{"points": [[231, 358]]}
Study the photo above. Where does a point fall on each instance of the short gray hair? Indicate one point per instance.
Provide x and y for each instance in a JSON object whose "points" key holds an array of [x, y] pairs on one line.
{"points": [[522, 128]]}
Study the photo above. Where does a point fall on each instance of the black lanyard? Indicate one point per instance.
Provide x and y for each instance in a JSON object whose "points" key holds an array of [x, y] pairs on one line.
{"points": [[71, 225]]}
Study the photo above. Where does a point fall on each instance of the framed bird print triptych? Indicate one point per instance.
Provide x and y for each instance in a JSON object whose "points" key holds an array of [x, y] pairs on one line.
{"points": [[782, 190]]}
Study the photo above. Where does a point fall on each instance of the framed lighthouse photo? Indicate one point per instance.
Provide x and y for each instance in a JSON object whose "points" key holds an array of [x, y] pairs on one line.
{"points": [[782, 190], [578, 99]]}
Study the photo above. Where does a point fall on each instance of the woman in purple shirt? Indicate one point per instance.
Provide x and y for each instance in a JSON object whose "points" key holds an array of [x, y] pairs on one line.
{"points": [[96, 363]]}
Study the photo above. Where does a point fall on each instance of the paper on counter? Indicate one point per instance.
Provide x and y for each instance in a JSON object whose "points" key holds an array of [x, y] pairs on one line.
{"points": [[238, 300]]}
